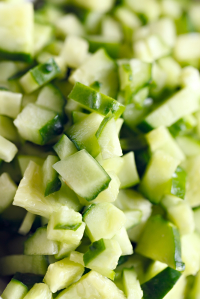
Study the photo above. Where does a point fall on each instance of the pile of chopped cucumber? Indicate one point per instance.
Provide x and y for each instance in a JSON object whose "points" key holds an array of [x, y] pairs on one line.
{"points": [[100, 149]]}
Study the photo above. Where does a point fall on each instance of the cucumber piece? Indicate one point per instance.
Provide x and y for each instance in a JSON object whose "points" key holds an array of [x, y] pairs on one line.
{"points": [[14, 290], [128, 174], [92, 285], [8, 130], [161, 284], [38, 124], [83, 134], [62, 274], [66, 226], [103, 220], [195, 289], [190, 245], [43, 34], [134, 74], [74, 51], [161, 139], [103, 256], [130, 200], [51, 98], [183, 125], [99, 67], [23, 263], [39, 75], [10, 103], [191, 166], [95, 101], [171, 110], [84, 174], [108, 139], [122, 238], [156, 180], [38, 244], [7, 191], [64, 147], [17, 33], [189, 145], [131, 284], [26, 224], [39, 291], [181, 52], [8, 150], [180, 213], [51, 180], [167, 238]]}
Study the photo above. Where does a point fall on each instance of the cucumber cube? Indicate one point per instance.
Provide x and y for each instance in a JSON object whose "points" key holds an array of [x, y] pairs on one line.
{"points": [[83, 174], [103, 220], [62, 274], [66, 226], [167, 239]]}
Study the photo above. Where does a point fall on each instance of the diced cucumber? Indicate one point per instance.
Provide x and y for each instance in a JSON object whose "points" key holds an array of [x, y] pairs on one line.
{"points": [[30, 194], [38, 244], [69, 24], [191, 40], [10, 103], [8, 130], [180, 213], [40, 75], [66, 226], [191, 166], [180, 104], [64, 249], [131, 284], [83, 134], [16, 32], [92, 285], [189, 145], [62, 274], [156, 179], [103, 256], [122, 238], [74, 51], [160, 284], [83, 174], [99, 67], [108, 139], [190, 245], [134, 75], [130, 200], [39, 291], [7, 150], [132, 218], [23, 263], [111, 45], [166, 236], [112, 164], [51, 180], [43, 34], [51, 98], [64, 147], [128, 174], [7, 191], [160, 138], [103, 220], [14, 290], [38, 124], [95, 101]]}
